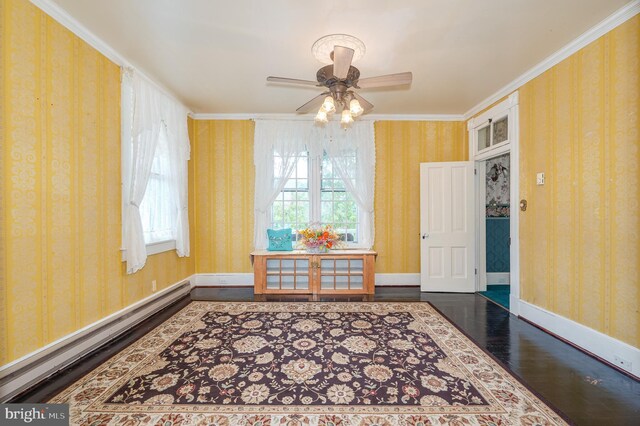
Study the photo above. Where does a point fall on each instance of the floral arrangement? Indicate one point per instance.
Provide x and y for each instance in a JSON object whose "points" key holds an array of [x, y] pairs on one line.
{"points": [[318, 238]]}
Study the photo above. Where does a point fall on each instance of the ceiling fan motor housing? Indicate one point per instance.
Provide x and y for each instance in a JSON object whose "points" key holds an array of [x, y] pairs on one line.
{"points": [[326, 78]]}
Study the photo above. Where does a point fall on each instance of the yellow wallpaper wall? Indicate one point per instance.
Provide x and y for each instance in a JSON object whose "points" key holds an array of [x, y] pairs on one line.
{"points": [[60, 217], [579, 238], [400, 148], [224, 182]]}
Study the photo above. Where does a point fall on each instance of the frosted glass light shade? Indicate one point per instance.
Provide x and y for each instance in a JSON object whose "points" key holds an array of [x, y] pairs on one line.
{"points": [[346, 119], [329, 104], [321, 117], [355, 108]]}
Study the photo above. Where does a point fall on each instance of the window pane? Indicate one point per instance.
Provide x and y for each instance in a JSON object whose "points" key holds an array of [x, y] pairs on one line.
{"points": [[158, 209], [326, 214], [293, 210], [339, 196], [277, 213], [326, 196], [483, 138], [337, 206], [500, 130], [302, 213]]}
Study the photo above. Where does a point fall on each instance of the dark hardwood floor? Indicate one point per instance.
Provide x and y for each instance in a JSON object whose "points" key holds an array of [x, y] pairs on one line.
{"points": [[585, 390]]}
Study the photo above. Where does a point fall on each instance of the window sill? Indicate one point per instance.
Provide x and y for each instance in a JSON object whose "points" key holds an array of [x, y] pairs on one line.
{"points": [[160, 247]]}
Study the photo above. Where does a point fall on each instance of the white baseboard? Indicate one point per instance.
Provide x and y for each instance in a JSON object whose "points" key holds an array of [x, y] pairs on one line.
{"points": [[223, 280], [246, 280], [31, 368], [397, 279], [599, 344], [498, 278]]}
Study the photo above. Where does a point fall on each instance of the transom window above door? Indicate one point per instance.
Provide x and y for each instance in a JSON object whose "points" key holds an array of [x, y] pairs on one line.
{"points": [[492, 134]]}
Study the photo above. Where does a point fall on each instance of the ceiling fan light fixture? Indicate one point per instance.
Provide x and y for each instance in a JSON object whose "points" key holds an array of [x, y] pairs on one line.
{"points": [[323, 47], [355, 108], [321, 117], [329, 104], [346, 119]]}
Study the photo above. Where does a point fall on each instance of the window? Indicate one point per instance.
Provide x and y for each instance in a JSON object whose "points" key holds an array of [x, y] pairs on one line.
{"points": [[337, 206], [155, 155], [314, 193], [306, 175], [159, 206], [291, 207]]}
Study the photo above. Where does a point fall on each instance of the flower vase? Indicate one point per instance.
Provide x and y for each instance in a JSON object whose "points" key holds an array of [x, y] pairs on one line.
{"points": [[317, 250]]}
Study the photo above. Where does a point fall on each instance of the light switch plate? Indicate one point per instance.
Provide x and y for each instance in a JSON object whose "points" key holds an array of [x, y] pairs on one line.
{"points": [[540, 179]]}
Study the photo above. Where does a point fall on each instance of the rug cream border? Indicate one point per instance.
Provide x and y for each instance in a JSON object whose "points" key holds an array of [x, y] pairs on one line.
{"points": [[509, 402]]}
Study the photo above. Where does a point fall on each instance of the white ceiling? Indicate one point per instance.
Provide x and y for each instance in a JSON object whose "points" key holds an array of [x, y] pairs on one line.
{"points": [[215, 55]]}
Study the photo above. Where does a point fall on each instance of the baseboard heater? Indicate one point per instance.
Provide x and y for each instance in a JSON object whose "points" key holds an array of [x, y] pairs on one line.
{"points": [[31, 369]]}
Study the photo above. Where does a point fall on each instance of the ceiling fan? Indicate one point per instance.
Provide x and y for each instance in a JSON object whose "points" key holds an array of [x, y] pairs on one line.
{"points": [[340, 79]]}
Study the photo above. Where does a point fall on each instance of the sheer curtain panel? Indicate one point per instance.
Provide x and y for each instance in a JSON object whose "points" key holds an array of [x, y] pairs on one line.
{"points": [[353, 156], [278, 137], [288, 139], [151, 115]]}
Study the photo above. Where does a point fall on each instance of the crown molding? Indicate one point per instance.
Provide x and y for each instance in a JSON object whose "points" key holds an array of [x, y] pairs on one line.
{"points": [[614, 20], [70, 23], [63, 18], [310, 117]]}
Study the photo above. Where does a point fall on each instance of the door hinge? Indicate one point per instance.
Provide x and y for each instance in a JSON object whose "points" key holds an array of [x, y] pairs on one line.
{"points": [[476, 271], [509, 241]]}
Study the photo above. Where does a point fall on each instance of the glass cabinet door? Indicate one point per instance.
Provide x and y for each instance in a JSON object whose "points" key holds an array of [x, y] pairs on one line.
{"points": [[341, 274]]}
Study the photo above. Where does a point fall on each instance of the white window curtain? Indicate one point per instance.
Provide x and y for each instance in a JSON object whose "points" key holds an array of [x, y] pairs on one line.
{"points": [[152, 113], [288, 138], [359, 178], [179, 155]]}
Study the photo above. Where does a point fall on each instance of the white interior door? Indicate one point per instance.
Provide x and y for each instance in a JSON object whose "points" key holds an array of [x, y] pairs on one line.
{"points": [[447, 224]]}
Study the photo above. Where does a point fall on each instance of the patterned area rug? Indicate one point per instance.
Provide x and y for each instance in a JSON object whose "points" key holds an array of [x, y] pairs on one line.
{"points": [[304, 364]]}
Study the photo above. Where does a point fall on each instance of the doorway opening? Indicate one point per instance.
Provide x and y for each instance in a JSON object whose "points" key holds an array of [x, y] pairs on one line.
{"points": [[493, 141], [496, 224]]}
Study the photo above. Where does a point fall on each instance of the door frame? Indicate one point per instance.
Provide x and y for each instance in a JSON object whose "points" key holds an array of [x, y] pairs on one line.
{"points": [[509, 107]]}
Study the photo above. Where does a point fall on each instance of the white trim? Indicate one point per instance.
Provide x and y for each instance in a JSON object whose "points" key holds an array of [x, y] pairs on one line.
{"points": [[612, 21], [509, 106], [514, 210], [398, 279], [223, 280], [31, 368], [310, 117], [481, 225], [160, 247], [498, 278], [605, 347]]}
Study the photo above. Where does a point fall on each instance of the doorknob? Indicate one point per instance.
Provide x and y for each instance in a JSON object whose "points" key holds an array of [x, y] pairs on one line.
{"points": [[425, 236]]}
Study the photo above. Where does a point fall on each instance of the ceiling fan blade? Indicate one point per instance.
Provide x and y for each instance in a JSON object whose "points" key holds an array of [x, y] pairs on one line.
{"points": [[292, 81], [385, 80], [365, 104], [313, 104], [342, 57]]}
